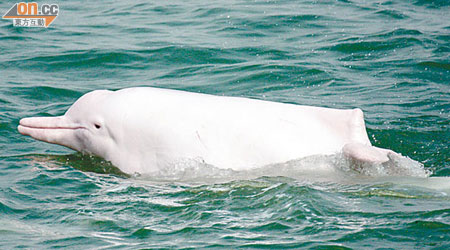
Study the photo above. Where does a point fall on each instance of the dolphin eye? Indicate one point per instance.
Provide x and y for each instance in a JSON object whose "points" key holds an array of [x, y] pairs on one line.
{"points": [[97, 126]]}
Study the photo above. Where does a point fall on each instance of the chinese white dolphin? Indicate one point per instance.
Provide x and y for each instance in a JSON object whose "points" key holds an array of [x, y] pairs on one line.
{"points": [[143, 130]]}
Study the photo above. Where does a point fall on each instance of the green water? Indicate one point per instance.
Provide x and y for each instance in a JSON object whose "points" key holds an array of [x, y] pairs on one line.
{"points": [[389, 58]]}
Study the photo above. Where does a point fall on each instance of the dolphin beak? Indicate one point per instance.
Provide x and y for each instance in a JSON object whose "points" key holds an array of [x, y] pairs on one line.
{"points": [[56, 130]]}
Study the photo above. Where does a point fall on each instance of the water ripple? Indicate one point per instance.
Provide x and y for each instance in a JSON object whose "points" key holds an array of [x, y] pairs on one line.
{"points": [[389, 58]]}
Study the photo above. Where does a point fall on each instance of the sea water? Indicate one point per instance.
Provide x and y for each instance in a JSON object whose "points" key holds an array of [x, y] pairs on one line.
{"points": [[389, 58]]}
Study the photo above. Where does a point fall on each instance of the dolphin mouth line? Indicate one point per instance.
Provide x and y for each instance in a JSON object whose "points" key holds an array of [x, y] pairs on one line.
{"points": [[37, 127], [31, 130]]}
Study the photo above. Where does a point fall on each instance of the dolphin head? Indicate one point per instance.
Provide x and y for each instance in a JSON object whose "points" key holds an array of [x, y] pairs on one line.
{"points": [[83, 127]]}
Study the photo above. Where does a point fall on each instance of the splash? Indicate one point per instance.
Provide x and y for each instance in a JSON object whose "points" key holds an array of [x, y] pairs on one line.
{"points": [[397, 165], [328, 168], [334, 168]]}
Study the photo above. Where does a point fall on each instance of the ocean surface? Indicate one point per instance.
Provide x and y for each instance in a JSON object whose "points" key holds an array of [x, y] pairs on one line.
{"points": [[389, 58]]}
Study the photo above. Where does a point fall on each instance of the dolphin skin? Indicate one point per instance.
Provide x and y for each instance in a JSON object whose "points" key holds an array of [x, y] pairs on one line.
{"points": [[143, 130]]}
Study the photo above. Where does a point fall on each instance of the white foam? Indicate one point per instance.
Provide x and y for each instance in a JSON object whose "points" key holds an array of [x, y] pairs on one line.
{"points": [[333, 168]]}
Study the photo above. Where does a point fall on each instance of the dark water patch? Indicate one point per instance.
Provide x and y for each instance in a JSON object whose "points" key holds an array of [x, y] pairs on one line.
{"points": [[45, 93], [15, 38], [72, 33], [72, 182], [443, 37], [432, 3], [78, 241], [116, 12], [139, 6], [19, 198], [106, 226], [140, 30], [90, 163], [279, 23], [169, 9], [372, 46], [192, 56], [364, 238], [76, 59], [273, 226], [48, 214], [143, 233], [10, 210], [137, 59], [263, 53], [79, 161], [212, 12], [399, 32], [274, 246], [437, 65], [277, 77], [330, 246], [441, 228], [433, 72], [441, 49], [295, 19], [47, 101], [188, 71], [242, 32], [409, 85], [264, 77], [421, 123], [179, 23], [392, 14]]}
